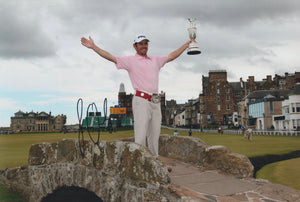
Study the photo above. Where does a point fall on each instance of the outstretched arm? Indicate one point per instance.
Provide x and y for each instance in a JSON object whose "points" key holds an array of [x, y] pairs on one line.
{"points": [[89, 43], [175, 54]]}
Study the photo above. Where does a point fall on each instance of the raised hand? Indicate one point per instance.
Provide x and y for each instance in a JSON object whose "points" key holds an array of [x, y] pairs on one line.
{"points": [[89, 43]]}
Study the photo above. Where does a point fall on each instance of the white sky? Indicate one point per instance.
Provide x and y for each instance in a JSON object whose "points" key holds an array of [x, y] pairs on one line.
{"points": [[43, 66]]}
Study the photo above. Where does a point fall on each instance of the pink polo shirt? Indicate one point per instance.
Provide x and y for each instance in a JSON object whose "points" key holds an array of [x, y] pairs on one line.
{"points": [[143, 71]]}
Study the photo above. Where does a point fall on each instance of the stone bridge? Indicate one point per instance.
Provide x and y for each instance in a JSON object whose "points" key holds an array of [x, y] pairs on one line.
{"points": [[116, 170]]}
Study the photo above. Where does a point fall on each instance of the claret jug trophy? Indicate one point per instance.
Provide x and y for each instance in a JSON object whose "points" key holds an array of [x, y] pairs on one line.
{"points": [[193, 48]]}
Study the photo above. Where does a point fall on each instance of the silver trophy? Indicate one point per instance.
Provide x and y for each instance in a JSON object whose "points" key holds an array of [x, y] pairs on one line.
{"points": [[193, 48]]}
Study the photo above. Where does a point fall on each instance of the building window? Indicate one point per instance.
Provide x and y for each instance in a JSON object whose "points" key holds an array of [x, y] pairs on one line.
{"points": [[227, 97], [294, 124], [286, 110], [219, 107], [228, 107], [237, 93], [271, 107], [281, 82], [297, 107], [218, 91], [293, 107], [227, 90]]}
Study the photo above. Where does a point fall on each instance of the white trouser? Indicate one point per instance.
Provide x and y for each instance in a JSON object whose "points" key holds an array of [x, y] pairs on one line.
{"points": [[147, 123]]}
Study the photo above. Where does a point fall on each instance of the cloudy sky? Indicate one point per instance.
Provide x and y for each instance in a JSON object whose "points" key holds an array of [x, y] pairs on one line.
{"points": [[44, 67]]}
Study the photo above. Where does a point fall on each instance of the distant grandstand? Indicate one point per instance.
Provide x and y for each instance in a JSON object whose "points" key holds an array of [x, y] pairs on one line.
{"points": [[94, 122], [117, 119]]}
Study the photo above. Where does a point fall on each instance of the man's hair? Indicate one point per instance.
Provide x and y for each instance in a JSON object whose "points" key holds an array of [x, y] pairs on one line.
{"points": [[135, 44]]}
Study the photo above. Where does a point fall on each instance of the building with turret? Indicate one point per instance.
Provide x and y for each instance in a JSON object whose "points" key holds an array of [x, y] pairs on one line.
{"points": [[37, 122], [125, 100]]}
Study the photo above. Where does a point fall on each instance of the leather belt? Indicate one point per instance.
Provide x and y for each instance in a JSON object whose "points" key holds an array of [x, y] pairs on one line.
{"points": [[154, 98], [143, 95]]}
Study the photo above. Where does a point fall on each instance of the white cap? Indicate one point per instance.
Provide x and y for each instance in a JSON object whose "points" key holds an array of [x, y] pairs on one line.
{"points": [[140, 38]]}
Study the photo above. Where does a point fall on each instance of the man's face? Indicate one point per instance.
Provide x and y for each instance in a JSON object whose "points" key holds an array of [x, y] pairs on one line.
{"points": [[141, 47]]}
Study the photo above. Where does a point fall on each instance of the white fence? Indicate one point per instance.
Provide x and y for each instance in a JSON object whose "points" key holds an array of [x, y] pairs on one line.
{"points": [[267, 132], [254, 132]]}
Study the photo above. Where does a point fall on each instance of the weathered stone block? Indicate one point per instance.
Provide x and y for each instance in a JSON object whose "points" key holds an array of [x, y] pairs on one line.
{"points": [[98, 157], [43, 153], [66, 150], [36, 155], [221, 158], [137, 162], [186, 149]]}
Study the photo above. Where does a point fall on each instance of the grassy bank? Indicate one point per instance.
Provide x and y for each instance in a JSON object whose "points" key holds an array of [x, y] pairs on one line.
{"points": [[282, 172]]}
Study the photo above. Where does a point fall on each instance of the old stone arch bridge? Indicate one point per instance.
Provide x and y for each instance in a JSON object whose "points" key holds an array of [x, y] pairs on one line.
{"points": [[116, 170]]}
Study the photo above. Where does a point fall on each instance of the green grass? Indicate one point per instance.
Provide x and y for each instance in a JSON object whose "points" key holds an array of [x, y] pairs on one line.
{"points": [[282, 172], [9, 196], [260, 146], [14, 149]]}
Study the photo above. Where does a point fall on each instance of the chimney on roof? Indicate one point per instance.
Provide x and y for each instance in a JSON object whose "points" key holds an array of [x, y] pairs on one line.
{"points": [[251, 78], [286, 74], [241, 83]]}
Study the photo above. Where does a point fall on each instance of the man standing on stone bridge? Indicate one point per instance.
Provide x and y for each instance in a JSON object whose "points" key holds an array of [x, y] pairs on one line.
{"points": [[143, 71]]}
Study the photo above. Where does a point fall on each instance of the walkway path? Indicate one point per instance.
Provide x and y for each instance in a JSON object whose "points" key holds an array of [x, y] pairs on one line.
{"points": [[194, 184]]}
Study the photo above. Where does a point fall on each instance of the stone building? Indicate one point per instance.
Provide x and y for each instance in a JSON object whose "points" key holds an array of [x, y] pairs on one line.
{"points": [[220, 98], [37, 122], [172, 110], [242, 113], [179, 120], [192, 112], [263, 105], [125, 100], [290, 117], [287, 81]]}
